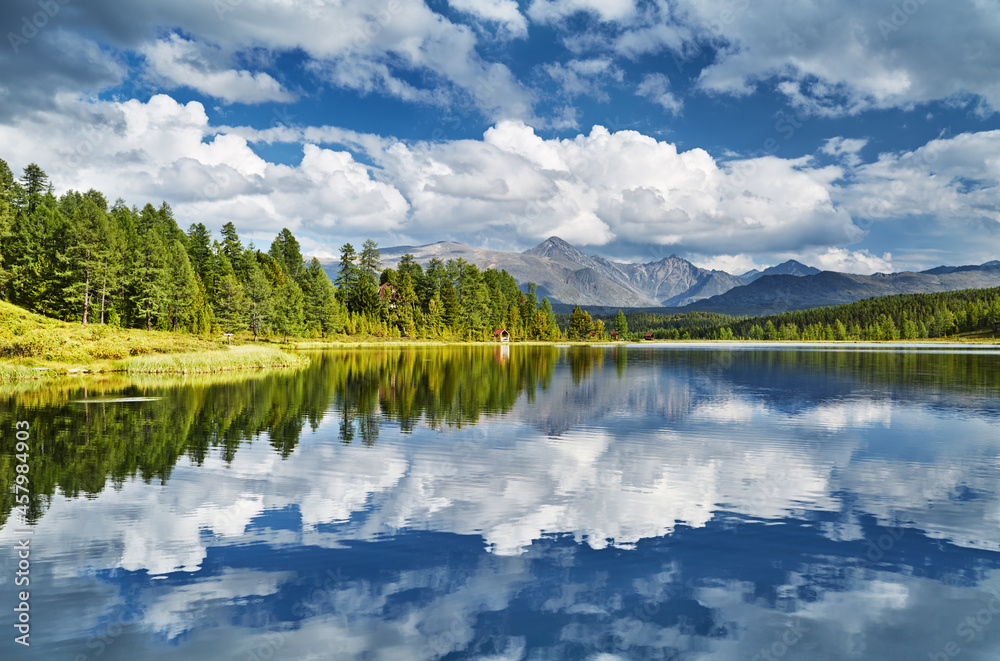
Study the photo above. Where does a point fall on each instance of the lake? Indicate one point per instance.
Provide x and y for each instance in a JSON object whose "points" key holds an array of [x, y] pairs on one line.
{"points": [[519, 502]]}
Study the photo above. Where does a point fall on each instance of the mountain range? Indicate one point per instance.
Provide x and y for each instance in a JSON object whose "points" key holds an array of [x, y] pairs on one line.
{"points": [[568, 276]]}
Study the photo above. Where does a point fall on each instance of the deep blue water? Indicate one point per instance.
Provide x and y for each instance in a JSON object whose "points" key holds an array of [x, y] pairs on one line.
{"points": [[654, 502]]}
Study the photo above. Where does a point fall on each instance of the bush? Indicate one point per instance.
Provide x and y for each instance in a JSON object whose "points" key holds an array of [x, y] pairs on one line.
{"points": [[44, 343]]}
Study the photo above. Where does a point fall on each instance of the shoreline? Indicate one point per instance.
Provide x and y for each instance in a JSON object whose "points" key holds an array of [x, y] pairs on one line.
{"points": [[209, 361], [269, 355]]}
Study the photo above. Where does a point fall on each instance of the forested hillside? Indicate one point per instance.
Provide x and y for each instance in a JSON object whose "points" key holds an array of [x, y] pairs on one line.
{"points": [[78, 258], [906, 316]]}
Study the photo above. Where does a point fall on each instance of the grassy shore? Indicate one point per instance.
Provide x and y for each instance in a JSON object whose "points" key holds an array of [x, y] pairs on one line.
{"points": [[36, 347]]}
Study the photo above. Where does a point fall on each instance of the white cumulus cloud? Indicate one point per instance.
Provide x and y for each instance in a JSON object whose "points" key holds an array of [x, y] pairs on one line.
{"points": [[656, 88], [504, 12], [180, 62]]}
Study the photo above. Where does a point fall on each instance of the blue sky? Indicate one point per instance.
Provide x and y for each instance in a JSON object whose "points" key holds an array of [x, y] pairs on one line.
{"points": [[857, 136]]}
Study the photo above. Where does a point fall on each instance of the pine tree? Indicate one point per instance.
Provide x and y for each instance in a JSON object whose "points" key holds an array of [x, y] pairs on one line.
{"points": [[181, 289], [233, 250], [434, 317], [429, 286], [288, 309], [451, 310], [406, 302], [370, 259], [621, 324], [231, 245], [474, 299], [332, 312], [36, 184], [9, 191], [110, 268], [365, 299], [551, 325], [260, 306], [168, 226], [24, 258], [789, 332], [286, 251], [348, 275], [542, 326], [200, 249], [318, 291], [122, 290], [151, 277], [408, 265], [230, 304], [580, 324], [86, 256], [889, 330], [993, 315]]}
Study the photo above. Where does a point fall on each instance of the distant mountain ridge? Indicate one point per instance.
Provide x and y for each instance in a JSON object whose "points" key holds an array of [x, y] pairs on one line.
{"points": [[791, 267], [783, 293], [568, 276]]}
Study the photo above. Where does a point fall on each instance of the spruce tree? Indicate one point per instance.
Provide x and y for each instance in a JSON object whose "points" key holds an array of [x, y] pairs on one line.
{"points": [[429, 286], [150, 285], [433, 318], [331, 311], [315, 287], [551, 325], [288, 309], [580, 324], [232, 249], [36, 184], [8, 194], [182, 291], [230, 304], [86, 256], [370, 259], [23, 258], [199, 249], [260, 304], [451, 310], [123, 309], [365, 299], [621, 324], [348, 275], [286, 251]]}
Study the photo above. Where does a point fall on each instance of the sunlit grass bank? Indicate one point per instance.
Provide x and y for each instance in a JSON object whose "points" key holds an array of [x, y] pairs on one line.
{"points": [[226, 360], [35, 347], [25, 335]]}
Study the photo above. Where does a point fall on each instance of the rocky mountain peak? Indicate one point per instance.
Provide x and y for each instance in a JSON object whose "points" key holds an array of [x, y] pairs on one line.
{"points": [[556, 248]]}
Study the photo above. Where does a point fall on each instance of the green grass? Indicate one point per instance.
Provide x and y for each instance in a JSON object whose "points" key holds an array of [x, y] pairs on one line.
{"points": [[31, 337], [228, 359], [35, 347], [11, 373]]}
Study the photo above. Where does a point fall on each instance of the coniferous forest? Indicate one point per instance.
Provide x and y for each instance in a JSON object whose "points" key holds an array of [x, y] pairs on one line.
{"points": [[78, 258], [885, 318]]}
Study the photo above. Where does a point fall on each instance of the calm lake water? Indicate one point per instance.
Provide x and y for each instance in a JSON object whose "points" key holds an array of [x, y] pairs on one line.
{"points": [[648, 502]]}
